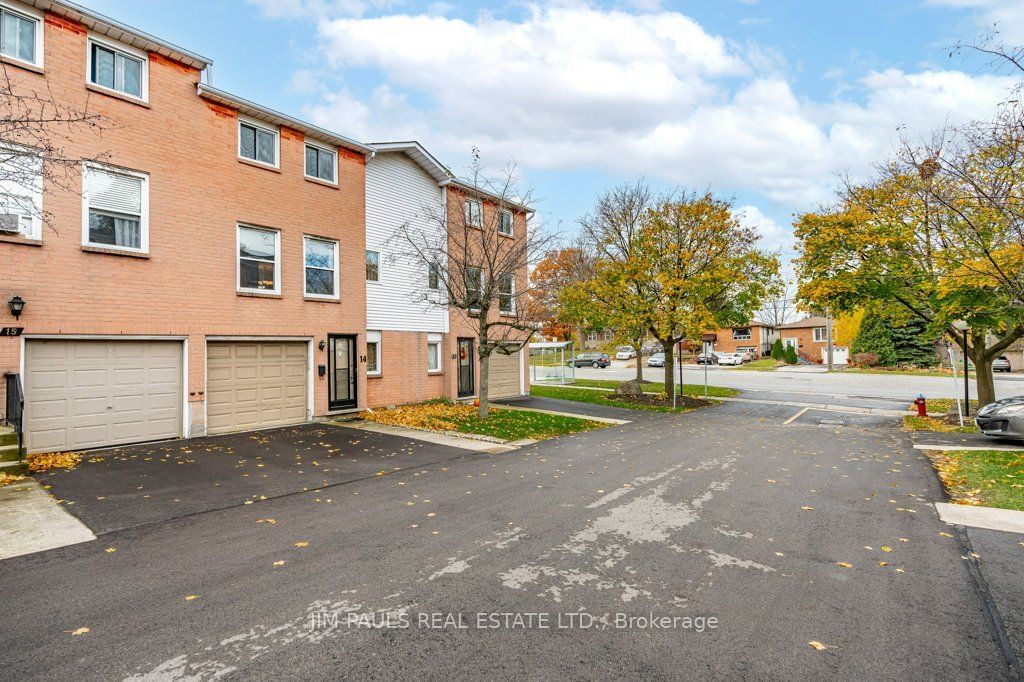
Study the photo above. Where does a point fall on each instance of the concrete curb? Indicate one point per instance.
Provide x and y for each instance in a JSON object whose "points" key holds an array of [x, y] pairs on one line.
{"points": [[991, 518], [32, 521], [954, 446], [464, 441], [602, 420]]}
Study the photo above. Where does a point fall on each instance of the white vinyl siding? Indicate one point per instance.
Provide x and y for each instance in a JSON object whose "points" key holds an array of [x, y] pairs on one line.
{"points": [[115, 206], [21, 191], [397, 190]]}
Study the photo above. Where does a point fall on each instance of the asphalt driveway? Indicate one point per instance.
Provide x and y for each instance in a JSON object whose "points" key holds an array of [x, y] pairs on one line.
{"points": [[136, 485]]}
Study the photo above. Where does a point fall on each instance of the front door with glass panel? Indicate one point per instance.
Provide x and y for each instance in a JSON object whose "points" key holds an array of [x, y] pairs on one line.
{"points": [[341, 371], [467, 385]]}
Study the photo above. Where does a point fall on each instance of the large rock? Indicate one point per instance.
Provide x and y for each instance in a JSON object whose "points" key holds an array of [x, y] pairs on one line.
{"points": [[631, 387]]}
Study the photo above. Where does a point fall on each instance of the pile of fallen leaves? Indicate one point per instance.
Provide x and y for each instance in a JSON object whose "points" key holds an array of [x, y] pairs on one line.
{"points": [[434, 414], [952, 476], [7, 479], [53, 460]]}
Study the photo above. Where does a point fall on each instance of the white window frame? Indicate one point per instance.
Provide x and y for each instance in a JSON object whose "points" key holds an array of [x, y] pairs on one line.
{"points": [[337, 280], [434, 340], [276, 131], [35, 195], [277, 260], [144, 208], [821, 337], [512, 295], [34, 15], [373, 338], [127, 51], [379, 273], [321, 148], [433, 268], [469, 213], [511, 222], [743, 337]]}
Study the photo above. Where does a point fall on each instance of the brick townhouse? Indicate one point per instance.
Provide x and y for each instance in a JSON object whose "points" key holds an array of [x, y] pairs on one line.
{"points": [[755, 336], [208, 274]]}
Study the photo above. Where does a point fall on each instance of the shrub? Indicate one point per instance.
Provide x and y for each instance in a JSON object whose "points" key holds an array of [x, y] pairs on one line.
{"points": [[865, 359], [791, 357], [875, 337], [778, 352]]}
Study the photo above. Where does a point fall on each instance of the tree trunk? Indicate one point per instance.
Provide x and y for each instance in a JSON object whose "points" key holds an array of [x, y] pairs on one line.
{"points": [[639, 360], [485, 361], [984, 379], [670, 376]]}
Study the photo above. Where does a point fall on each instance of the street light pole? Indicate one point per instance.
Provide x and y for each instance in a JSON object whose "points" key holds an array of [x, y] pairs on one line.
{"points": [[967, 385], [828, 333]]}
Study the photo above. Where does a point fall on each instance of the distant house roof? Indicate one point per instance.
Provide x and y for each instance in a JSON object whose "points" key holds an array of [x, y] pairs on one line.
{"points": [[807, 323]]}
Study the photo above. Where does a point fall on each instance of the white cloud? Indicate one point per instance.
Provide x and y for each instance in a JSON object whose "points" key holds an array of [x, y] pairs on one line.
{"points": [[1007, 16]]}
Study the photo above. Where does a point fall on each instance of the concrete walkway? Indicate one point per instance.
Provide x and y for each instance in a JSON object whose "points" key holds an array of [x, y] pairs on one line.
{"points": [[981, 517], [31, 520]]}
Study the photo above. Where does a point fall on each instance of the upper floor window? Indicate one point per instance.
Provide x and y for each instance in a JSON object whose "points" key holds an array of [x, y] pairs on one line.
{"points": [[372, 266], [506, 294], [474, 213], [257, 143], [259, 259], [821, 334], [321, 163], [505, 223], [21, 192], [20, 36], [433, 276], [474, 285], [741, 333], [321, 257], [117, 69], [116, 207]]}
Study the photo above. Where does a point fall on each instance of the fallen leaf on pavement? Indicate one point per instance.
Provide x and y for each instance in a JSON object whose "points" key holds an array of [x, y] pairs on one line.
{"points": [[191, 597], [806, 508], [279, 563], [843, 564], [949, 535], [819, 646], [302, 544], [79, 631], [886, 548], [110, 550]]}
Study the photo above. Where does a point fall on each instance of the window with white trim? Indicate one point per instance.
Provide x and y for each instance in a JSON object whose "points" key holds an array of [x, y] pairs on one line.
{"points": [[21, 36], [373, 353], [372, 266], [506, 294], [21, 192], [505, 223], [741, 334], [116, 207], [433, 352], [259, 259], [321, 266], [820, 334], [321, 163], [257, 143], [474, 213], [117, 69], [474, 285]]}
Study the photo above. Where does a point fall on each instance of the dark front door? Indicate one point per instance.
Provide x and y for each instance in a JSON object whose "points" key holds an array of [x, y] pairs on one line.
{"points": [[341, 371], [467, 384]]}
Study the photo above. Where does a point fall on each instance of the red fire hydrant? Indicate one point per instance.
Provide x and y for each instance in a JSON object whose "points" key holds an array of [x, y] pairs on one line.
{"points": [[922, 406]]}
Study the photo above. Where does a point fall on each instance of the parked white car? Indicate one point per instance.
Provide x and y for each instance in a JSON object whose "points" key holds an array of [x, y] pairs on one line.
{"points": [[730, 359], [625, 353]]}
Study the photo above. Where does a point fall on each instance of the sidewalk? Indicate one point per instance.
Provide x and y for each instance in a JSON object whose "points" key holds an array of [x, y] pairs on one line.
{"points": [[31, 520]]}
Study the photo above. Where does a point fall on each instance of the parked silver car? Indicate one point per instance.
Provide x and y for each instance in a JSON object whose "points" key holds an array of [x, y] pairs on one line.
{"points": [[1001, 364], [656, 360], [1003, 418]]}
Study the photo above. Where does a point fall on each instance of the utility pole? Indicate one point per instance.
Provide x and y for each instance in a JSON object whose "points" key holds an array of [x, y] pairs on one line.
{"points": [[828, 333], [967, 382]]}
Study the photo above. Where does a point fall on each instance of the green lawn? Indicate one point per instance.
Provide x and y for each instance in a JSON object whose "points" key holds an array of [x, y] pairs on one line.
{"points": [[992, 478], [915, 423], [696, 390], [583, 395], [440, 415], [943, 404], [762, 365]]}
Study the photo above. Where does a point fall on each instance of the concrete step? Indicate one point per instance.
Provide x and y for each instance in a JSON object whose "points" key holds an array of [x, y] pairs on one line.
{"points": [[7, 435], [14, 468], [9, 453]]}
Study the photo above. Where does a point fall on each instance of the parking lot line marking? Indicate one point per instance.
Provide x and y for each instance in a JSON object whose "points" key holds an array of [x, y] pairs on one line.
{"points": [[795, 416]]}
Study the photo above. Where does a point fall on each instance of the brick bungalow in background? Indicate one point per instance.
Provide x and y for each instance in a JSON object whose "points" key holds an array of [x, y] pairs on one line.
{"points": [[756, 337], [810, 337]]}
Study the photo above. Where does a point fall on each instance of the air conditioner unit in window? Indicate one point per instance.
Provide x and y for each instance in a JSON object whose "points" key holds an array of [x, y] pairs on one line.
{"points": [[9, 222]]}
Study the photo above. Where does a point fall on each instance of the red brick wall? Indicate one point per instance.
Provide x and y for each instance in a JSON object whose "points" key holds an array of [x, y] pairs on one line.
{"points": [[198, 191], [404, 377]]}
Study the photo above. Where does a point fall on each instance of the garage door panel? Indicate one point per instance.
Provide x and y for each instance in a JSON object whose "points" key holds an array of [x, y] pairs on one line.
{"points": [[257, 384], [84, 393], [504, 375]]}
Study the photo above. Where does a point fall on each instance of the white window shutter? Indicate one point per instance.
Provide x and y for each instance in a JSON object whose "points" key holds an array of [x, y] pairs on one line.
{"points": [[115, 192]]}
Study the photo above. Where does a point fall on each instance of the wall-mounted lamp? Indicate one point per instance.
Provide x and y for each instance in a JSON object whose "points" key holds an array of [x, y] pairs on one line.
{"points": [[322, 344], [17, 304]]}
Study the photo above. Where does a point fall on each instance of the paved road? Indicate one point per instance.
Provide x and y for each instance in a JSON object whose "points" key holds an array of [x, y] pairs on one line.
{"points": [[726, 513], [800, 380]]}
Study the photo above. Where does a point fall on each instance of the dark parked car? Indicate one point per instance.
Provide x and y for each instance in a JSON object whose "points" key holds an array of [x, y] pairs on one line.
{"points": [[593, 359], [709, 359], [1003, 418], [1001, 364]]}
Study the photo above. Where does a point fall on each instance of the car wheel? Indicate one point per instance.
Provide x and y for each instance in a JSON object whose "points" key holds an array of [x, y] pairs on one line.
{"points": [[595, 364]]}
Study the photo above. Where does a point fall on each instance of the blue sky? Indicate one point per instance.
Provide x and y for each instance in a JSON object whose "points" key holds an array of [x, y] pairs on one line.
{"points": [[762, 100]]}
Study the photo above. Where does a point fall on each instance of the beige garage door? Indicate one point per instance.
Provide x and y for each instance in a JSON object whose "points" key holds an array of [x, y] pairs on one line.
{"points": [[504, 375], [254, 385], [83, 394]]}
